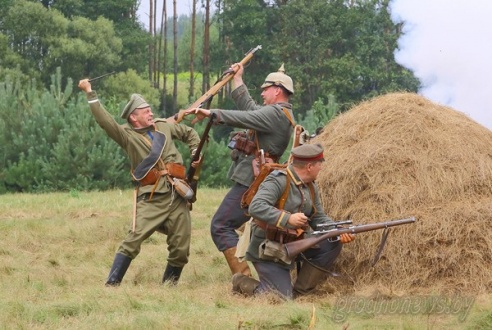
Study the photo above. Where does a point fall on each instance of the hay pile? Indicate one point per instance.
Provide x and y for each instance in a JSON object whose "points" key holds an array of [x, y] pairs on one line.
{"points": [[400, 155]]}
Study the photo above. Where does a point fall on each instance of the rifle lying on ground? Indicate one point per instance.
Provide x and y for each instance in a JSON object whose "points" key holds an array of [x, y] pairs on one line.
{"points": [[223, 79], [295, 248]]}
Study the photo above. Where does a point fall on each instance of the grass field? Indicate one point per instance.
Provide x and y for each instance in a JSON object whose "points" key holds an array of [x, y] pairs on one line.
{"points": [[56, 251]]}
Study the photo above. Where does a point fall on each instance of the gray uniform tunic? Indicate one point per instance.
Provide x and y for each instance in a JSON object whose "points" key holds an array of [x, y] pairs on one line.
{"points": [[299, 200], [274, 131], [272, 127], [166, 211], [275, 275]]}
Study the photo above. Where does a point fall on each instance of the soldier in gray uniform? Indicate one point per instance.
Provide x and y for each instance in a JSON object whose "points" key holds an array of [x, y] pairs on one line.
{"points": [[156, 163], [301, 212], [268, 128]]}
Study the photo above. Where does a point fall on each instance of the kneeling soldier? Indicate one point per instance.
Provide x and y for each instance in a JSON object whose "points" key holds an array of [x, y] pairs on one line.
{"points": [[285, 208]]}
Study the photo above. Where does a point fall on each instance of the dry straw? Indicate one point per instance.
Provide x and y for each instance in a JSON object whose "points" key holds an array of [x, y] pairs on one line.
{"points": [[400, 155]]}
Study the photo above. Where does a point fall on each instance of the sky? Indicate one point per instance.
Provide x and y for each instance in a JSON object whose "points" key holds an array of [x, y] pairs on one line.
{"points": [[447, 44], [183, 8]]}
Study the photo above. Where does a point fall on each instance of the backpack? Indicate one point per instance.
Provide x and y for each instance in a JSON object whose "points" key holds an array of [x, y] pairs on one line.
{"points": [[266, 168]]}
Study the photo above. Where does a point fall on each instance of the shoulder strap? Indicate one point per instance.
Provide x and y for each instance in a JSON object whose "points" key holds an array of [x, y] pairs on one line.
{"points": [[285, 195], [289, 117]]}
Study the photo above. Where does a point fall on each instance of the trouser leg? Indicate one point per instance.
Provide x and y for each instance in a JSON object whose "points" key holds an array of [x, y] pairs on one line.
{"points": [[274, 278], [171, 218]]}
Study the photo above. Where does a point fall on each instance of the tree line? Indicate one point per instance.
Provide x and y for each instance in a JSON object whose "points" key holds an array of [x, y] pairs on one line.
{"points": [[338, 53]]}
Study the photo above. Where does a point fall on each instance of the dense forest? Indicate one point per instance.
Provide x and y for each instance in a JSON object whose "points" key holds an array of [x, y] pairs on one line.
{"points": [[338, 52]]}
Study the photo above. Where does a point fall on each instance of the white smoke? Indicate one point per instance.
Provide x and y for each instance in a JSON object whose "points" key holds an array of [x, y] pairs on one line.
{"points": [[448, 46]]}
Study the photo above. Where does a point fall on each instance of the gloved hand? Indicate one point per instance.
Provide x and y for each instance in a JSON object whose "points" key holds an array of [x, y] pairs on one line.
{"points": [[347, 238]]}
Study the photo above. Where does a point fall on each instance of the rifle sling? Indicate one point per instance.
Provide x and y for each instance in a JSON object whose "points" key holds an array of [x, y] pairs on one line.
{"points": [[377, 256]]}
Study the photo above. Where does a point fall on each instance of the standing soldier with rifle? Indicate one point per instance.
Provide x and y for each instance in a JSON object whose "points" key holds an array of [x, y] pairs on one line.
{"points": [[268, 131], [286, 205], [160, 204]]}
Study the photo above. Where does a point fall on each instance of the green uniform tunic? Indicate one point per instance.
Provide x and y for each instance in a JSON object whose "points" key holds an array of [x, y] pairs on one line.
{"points": [[166, 211], [299, 200]]}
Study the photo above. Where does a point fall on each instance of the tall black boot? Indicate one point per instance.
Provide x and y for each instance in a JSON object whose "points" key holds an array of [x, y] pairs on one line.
{"points": [[120, 266], [172, 274]]}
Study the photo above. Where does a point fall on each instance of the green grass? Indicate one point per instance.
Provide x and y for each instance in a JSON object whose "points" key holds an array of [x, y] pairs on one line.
{"points": [[56, 251]]}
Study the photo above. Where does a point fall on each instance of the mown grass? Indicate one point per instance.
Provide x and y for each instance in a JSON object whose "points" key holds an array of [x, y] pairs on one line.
{"points": [[56, 251]]}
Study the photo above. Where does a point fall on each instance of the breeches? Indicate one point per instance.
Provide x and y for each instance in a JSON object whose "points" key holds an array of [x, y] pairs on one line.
{"points": [[228, 218], [276, 277], [173, 219]]}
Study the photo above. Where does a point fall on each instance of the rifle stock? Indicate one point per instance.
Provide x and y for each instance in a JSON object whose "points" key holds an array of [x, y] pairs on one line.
{"points": [[191, 175], [295, 248], [224, 79]]}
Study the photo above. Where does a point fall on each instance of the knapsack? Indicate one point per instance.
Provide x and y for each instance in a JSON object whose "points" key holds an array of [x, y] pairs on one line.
{"points": [[265, 170]]}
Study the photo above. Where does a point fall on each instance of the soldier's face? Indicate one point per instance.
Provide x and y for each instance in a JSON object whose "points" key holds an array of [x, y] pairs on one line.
{"points": [[315, 168], [270, 94], [142, 117]]}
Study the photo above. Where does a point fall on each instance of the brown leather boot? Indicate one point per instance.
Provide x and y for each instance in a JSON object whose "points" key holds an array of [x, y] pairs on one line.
{"points": [[234, 264], [308, 278], [244, 284]]}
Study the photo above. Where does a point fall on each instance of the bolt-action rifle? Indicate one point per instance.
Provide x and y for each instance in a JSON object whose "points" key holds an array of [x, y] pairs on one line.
{"points": [[295, 248], [205, 99], [193, 173]]}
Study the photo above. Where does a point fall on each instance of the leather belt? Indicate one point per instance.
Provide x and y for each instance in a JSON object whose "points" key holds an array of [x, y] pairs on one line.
{"points": [[261, 224]]}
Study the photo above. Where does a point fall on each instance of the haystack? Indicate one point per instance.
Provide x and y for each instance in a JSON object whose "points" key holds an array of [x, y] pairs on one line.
{"points": [[400, 155]]}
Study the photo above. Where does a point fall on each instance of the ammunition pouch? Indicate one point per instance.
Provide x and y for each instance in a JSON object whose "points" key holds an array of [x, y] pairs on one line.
{"points": [[241, 142], [261, 160], [280, 235], [151, 177], [273, 251], [176, 170], [172, 169]]}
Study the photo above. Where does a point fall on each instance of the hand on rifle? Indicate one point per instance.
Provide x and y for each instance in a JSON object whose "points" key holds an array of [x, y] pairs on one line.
{"points": [[298, 220], [199, 113], [347, 238], [195, 164], [238, 77]]}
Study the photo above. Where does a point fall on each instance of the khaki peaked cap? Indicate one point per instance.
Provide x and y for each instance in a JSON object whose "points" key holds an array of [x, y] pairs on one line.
{"points": [[308, 152], [136, 102]]}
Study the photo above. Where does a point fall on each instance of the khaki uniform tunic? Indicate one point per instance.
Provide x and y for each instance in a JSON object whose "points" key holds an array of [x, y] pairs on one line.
{"points": [[166, 211]]}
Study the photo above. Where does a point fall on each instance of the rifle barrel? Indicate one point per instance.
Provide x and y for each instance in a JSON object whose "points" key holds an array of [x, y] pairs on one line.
{"points": [[295, 248]]}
